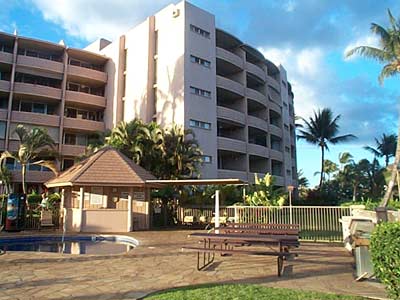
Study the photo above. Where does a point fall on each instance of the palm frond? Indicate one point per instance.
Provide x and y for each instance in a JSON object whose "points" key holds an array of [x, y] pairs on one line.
{"points": [[47, 164], [342, 138], [370, 52]]}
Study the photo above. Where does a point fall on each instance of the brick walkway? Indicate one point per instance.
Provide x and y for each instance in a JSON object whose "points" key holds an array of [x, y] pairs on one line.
{"points": [[158, 264]]}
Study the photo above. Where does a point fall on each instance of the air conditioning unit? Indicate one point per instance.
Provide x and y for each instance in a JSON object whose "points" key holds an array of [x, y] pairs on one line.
{"points": [[175, 13]]}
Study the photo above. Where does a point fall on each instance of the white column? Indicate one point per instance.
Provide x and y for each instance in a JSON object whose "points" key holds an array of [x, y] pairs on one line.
{"points": [[62, 208], [216, 211], [81, 202], [129, 213]]}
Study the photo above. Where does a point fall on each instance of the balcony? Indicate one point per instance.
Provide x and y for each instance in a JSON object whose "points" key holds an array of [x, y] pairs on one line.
{"points": [[258, 150], [229, 57], [273, 82], [276, 155], [257, 123], [255, 70], [232, 174], [231, 144], [4, 86], [6, 58], [230, 85], [279, 180], [275, 107], [86, 73], [33, 176], [35, 118], [37, 90], [3, 114], [40, 63], [255, 95], [230, 114], [275, 130], [72, 150], [81, 124], [80, 99]]}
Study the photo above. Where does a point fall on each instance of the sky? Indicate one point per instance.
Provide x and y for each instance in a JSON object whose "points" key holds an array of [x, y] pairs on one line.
{"points": [[308, 37]]}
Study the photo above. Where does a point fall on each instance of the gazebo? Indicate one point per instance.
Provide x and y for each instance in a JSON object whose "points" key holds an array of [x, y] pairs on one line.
{"points": [[106, 192]]}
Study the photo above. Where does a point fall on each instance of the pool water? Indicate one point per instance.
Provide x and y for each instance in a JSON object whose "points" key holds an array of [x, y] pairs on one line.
{"points": [[71, 245]]}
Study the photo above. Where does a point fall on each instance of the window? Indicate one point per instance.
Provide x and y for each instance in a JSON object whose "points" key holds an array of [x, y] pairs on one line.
{"points": [[286, 127], [6, 48], [40, 80], [200, 31], [67, 163], [84, 64], [200, 124], [200, 92], [34, 107], [288, 172], [200, 61], [83, 114], [287, 149], [3, 103], [207, 159], [76, 87], [2, 130], [39, 108]]}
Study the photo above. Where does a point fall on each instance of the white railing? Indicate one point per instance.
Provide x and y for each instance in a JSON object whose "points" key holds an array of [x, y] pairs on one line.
{"points": [[316, 222]]}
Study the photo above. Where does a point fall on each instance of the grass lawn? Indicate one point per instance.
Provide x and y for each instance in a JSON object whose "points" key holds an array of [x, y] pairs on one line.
{"points": [[242, 292]]}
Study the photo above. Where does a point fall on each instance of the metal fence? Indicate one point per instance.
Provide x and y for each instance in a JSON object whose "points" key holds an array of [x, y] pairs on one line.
{"points": [[32, 220], [316, 222]]}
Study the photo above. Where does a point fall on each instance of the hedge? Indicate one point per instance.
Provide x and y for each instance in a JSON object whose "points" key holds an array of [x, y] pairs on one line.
{"points": [[385, 253]]}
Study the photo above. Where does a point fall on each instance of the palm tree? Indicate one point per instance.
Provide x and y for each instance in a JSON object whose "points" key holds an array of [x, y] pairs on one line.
{"points": [[385, 147], [6, 178], [344, 159], [182, 153], [389, 54], [129, 138], [320, 130], [35, 145]]}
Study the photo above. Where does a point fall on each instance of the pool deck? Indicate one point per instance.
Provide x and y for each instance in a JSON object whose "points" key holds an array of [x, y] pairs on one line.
{"points": [[158, 263]]}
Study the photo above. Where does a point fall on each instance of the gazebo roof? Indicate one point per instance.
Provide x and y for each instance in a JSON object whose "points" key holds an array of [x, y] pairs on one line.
{"points": [[106, 167]]}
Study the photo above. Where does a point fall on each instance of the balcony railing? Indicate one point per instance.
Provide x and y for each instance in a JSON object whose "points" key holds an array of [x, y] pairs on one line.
{"points": [[230, 85], [40, 63], [87, 73], [84, 98], [230, 57], [231, 114], [230, 144], [37, 90], [81, 124]]}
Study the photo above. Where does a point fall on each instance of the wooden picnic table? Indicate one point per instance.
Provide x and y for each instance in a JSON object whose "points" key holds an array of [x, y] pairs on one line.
{"points": [[228, 245]]}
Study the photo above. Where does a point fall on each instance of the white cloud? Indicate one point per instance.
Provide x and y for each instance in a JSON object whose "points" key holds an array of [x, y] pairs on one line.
{"points": [[366, 40], [304, 68], [290, 6], [91, 19]]}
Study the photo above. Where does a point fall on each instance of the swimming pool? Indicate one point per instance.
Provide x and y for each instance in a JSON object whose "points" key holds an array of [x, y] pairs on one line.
{"points": [[94, 244]]}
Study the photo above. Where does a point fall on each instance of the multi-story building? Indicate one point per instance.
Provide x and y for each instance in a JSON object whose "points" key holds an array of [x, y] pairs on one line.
{"points": [[174, 68], [48, 85]]}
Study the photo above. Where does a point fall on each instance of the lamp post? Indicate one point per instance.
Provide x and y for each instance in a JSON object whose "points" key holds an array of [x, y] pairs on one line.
{"points": [[290, 190]]}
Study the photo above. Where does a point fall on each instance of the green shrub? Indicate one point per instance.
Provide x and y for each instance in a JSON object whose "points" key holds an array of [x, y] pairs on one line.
{"points": [[385, 253], [34, 198]]}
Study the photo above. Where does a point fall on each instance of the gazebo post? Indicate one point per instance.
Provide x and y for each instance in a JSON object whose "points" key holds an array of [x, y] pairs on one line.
{"points": [[129, 212], [81, 201]]}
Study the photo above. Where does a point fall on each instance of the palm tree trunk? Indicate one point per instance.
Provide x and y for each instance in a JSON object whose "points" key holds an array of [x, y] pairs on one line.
{"points": [[392, 181], [387, 160], [322, 166], [23, 173]]}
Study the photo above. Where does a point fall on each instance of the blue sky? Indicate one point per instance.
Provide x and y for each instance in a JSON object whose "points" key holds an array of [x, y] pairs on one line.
{"points": [[308, 37]]}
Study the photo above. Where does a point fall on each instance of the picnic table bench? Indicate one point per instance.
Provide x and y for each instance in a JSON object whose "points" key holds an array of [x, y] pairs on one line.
{"points": [[271, 229], [228, 243]]}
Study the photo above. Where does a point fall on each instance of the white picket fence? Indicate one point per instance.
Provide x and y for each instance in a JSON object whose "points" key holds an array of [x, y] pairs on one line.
{"points": [[316, 222]]}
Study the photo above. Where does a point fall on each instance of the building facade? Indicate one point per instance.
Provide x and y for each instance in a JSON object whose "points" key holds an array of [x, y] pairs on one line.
{"points": [[49, 85], [174, 68]]}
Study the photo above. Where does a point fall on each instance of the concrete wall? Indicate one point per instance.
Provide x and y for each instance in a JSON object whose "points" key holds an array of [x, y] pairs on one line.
{"points": [[198, 107]]}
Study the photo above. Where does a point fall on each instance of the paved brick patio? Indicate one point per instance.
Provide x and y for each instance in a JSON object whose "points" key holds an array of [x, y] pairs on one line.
{"points": [[159, 264]]}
